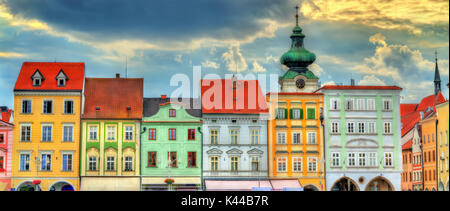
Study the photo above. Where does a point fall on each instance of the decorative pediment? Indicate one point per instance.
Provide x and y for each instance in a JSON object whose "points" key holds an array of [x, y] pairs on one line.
{"points": [[62, 75], [234, 152], [362, 143], [37, 75], [255, 152], [214, 151]]}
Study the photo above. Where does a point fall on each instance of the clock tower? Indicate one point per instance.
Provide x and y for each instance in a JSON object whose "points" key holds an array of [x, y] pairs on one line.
{"points": [[298, 78]]}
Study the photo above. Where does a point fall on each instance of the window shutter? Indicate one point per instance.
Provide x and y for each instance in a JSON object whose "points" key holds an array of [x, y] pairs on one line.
{"points": [[301, 113], [291, 114], [311, 113], [285, 113]]}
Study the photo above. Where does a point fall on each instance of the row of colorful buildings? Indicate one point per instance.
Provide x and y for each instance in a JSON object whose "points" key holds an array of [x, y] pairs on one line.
{"points": [[70, 132], [425, 142]]}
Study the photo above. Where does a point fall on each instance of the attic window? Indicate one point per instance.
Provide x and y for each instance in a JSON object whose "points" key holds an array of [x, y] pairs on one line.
{"points": [[61, 82], [37, 78], [233, 121], [61, 78], [37, 82], [128, 108], [97, 108]]}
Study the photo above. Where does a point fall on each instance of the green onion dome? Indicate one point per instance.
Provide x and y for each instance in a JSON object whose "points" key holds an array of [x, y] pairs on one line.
{"points": [[298, 58]]}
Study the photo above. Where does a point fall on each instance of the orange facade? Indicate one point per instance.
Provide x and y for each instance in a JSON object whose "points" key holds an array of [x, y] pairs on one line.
{"points": [[407, 176], [429, 152], [309, 153]]}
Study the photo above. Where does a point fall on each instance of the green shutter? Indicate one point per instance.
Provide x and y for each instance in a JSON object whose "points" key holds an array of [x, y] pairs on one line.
{"points": [[285, 113], [301, 113], [311, 113], [291, 113], [276, 114]]}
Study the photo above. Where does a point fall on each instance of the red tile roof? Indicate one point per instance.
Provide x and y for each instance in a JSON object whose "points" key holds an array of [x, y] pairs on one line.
{"points": [[407, 145], [407, 108], [408, 121], [113, 96], [49, 70], [243, 100], [341, 87], [430, 101], [6, 115]]}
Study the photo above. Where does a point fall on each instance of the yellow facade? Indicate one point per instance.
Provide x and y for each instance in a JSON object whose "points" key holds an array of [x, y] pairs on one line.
{"points": [[56, 147], [443, 161], [302, 150]]}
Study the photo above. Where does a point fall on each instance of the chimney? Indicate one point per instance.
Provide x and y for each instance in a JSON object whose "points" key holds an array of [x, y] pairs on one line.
{"points": [[117, 75], [352, 82], [163, 97]]}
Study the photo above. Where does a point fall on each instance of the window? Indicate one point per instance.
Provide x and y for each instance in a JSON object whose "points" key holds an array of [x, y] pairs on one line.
{"points": [[172, 113], [312, 138], [152, 134], [214, 136], [172, 134], [1, 163], [67, 162], [335, 159], [129, 133], [67, 133], [297, 164], [37, 82], [111, 133], [24, 162], [68, 107], [387, 128], [47, 107], [388, 159], [151, 159], [192, 159], [234, 135], [311, 113], [281, 138], [351, 159], [191, 134], [61, 82], [110, 163], [46, 162], [234, 163], [312, 164], [296, 138], [255, 163], [25, 134], [46, 133], [335, 104], [371, 105], [92, 132], [387, 104], [360, 104], [334, 127], [2, 138], [361, 127], [26, 106], [434, 156], [254, 132], [297, 114], [350, 127], [128, 163], [282, 164], [371, 129], [362, 159], [349, 104], [214, 161], [92, 163], [281, 113], [172, 159]]}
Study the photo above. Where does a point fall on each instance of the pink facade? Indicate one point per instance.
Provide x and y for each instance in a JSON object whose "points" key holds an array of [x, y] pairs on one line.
{"points": [[6, 137]]}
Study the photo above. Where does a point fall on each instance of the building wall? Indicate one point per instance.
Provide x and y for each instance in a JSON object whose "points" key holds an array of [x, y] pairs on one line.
{"points": [[162, 145], [101, 148], [429, 153], [407, 177], [377, 142], [417, 172], [303, 150], [244, 149], [56, 147], [443, 161], [6, 152]]}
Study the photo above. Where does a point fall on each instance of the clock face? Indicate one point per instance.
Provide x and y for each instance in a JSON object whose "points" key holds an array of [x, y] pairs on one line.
{"points": [[300, 83]]}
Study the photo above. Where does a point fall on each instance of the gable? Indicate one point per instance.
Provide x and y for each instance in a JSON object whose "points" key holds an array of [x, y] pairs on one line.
{"points": [[214, 151], [62, 75], [37, 75], [234, 152], [255, 152]]}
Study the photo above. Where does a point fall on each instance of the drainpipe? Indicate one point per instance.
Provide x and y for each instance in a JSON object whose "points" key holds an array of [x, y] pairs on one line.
{"points": [[140, 158], [324, 150], [437, 155], [201, 171]]}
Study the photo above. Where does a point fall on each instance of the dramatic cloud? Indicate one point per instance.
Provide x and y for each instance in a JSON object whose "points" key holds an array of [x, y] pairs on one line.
{"points": [[234, 60], [412, 15], [371, 80], [316, 69], [257, 68], [210, 64], [11, 55], [178, 58]]}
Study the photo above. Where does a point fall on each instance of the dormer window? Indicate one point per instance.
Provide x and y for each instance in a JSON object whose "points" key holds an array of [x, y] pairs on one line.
{"points": [[37, 78], [61, 78]]}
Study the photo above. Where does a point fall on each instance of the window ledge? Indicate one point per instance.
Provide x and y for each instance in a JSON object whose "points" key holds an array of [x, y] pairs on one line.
{"points": [[26, 113], [46, 141], [66, 170]]}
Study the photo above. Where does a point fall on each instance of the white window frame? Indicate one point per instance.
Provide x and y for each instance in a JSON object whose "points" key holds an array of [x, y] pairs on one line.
{"points": [[390, 127], [110, 133], [21, 131], [43, 106], [232, 162], [29, 161], [280, 111], [388, 105], [335, 104], [362, 159], [312, 138], [47, 162], [388, 159], [283, 162], [335, 128], [283, 136], [348, 127], [297, 136], [31, 106], [214, 135], [297, 164], [371, 127], [254, 136], [361, 127], [371, 104], [215, 160], [73, 106], [234, 136], [92, 161], [128, 162], [312, 164], [352, 104], [108, 162], [62, 161], [255, 159], [351, 159], [51, 132], [91, 132], [335, 159], [360, 104], [64, 132], [372, 159], [128, 133]]}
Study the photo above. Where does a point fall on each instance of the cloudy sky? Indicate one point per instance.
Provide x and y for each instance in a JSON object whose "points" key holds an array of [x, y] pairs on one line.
{"points": [[377, 42]]}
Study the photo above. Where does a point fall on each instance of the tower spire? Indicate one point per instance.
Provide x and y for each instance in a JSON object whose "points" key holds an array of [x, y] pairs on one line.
{"points": [[437, 78], [296, 16]]}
